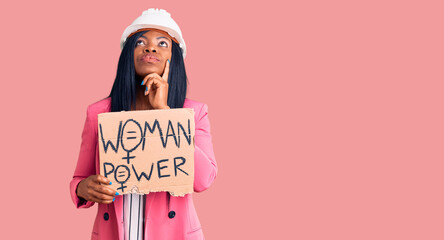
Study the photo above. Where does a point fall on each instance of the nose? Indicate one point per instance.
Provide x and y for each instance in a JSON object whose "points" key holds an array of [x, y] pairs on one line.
{"points": [[149, 49]]}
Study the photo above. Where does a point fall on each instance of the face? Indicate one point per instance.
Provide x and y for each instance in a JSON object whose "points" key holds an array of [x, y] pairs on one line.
{"points": [[151, 53]]}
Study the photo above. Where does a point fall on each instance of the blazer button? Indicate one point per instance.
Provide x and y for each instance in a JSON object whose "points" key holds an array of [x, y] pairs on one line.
{"points": [[106, 216], [171, 214]]}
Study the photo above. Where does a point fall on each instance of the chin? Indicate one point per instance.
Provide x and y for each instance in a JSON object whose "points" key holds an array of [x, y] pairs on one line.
{"points": [[148, 71]]}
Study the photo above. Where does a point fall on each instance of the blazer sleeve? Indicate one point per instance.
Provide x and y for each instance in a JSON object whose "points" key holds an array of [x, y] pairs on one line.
{"points": [[86, 161], [205, 167]]}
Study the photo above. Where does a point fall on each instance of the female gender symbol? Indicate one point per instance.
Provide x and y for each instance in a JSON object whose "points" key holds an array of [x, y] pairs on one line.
{"points": [[121, 177]]}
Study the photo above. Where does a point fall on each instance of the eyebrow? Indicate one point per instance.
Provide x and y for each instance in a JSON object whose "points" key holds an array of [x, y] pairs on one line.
{"points": [[156, 38], [164, 37]]}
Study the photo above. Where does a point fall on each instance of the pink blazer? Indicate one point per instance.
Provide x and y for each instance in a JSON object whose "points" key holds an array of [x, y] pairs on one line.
{"points": [[166, 217]]}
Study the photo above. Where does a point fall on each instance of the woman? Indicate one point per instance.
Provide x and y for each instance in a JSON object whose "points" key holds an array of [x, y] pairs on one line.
{"points": [[150, 75]]}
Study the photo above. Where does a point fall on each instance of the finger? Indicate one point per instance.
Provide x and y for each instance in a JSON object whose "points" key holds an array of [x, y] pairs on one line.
{"points": [[109, 201], [98, 200], [105, 190], [101, 196], [90, 196], [148, 76], [148, 85], [152, 81], [147, 81], [94, 199], [91, 199], [166, 71], [103, 180], [156, 84]]}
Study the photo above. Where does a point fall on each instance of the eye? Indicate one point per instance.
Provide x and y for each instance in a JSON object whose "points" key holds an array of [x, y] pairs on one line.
{"points": [[163, 44], [139, 42]]}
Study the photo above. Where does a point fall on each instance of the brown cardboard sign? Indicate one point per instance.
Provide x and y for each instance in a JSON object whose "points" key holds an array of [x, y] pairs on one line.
{"points": [[148, 151]]}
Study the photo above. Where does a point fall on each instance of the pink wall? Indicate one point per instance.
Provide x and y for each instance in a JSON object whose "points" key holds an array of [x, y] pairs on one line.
{"points": [[327, 116]]}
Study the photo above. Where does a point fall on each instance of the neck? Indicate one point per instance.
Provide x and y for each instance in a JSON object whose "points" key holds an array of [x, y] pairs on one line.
{"points": [[142, 101]]}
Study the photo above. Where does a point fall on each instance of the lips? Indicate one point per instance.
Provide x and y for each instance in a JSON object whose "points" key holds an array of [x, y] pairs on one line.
{"points": [[149, 58]]}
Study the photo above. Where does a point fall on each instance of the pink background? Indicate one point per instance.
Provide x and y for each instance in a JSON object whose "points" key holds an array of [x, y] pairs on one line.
{"points": [[327, 116]]}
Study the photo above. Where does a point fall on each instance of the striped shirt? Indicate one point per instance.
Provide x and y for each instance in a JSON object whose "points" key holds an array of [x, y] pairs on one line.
{"points": [[133, 216]]}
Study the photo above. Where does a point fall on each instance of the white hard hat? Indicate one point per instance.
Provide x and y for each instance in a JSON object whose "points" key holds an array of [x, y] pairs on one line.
{"points": [[158, 19]]}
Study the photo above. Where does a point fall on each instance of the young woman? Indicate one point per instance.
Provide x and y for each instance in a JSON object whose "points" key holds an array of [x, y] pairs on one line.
{"points": [[150, 75]]}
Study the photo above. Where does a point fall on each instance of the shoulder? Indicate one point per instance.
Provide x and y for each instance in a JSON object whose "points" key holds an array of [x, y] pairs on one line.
{"points": [[101, 106], [192, 104], [98, 107], [200, 109]]}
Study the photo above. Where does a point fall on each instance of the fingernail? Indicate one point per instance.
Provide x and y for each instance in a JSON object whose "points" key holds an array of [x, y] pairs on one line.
{"points": [[117, 193], [114, 199], [110, 183], [168, 60], [141, 83]]}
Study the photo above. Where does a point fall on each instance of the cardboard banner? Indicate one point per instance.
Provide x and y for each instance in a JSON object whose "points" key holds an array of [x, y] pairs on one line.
{"points": [[148, 151]]}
